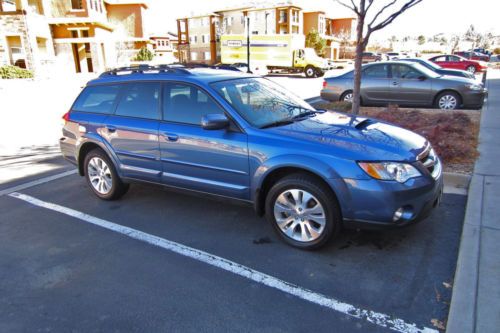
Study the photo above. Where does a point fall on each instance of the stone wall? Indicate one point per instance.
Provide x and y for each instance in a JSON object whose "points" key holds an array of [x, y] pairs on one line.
{"points": [[15, 25]]}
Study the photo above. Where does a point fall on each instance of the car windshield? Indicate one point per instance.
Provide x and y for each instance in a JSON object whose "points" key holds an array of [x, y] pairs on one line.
{"points": [[425, 70], [262, 102]]}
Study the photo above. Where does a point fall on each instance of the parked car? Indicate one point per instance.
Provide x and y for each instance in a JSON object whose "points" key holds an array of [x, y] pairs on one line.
{"points": [[406, 83], [483, 51], [370, 57], [473, 55], [244, 137], [440, 70], [393, 55], [458, 62]]}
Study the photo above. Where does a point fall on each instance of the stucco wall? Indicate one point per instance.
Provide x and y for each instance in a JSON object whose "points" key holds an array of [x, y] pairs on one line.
{"points": [[127, 18]]}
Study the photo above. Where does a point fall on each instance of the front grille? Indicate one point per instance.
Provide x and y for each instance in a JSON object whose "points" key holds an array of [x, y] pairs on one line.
{"points": [[430, 161]]}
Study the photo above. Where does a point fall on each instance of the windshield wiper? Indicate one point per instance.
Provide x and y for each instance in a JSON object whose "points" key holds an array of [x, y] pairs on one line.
{"points": [[305, 114], [278, 123]]}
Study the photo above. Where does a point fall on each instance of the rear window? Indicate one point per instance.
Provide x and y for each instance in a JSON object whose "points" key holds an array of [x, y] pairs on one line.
{"points": [[97, 99]]}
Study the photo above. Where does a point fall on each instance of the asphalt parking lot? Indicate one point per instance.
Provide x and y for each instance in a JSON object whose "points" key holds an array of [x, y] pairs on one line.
{"points": [[61, 273]]}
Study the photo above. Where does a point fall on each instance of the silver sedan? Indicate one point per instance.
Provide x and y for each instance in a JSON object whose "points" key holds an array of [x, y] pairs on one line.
{"points": [[406, 84]]}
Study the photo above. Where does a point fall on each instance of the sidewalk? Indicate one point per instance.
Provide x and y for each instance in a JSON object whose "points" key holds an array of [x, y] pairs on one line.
{"points": [[475, 304]]}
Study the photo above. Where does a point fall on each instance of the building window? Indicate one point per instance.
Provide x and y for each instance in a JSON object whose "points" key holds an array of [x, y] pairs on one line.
{"points": [[203, 39], [243, 19], [42, 45], [283, 16], [76, 4], [207, 55], [194, 55], [255, 32]]}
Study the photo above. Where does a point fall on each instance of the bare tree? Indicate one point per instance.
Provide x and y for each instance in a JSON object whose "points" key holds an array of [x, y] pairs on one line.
{"points": [[345, 37], [454, 43], [379, 20]]}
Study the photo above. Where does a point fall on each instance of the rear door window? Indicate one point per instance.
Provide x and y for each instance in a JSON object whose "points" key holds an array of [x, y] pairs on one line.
{"points": [[376, 72], [187, 104], [405, 72], [97, 99], [140, 100]]}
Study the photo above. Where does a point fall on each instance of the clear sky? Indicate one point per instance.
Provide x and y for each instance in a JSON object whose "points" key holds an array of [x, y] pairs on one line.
{"points": [[428, 18]]}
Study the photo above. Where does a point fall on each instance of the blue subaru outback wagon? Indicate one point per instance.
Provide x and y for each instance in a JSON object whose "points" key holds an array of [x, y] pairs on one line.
{"points": [[235, 135]]}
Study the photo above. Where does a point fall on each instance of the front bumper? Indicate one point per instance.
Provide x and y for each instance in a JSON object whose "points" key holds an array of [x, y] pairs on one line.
{"points": [[474, 99], [371, 204]]}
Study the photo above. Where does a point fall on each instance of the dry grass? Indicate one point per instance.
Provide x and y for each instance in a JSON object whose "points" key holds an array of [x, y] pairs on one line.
{"points": [[453, 134]]}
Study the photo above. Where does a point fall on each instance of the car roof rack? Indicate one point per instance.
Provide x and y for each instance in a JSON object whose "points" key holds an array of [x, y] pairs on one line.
{"points": [[142, 69]]}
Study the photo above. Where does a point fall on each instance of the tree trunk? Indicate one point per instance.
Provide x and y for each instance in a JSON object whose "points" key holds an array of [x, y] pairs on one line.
{"points": [[358, 61]]}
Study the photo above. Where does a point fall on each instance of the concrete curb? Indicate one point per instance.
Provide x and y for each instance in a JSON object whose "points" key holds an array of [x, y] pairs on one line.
{"points": [[456, 183], [462, 315]]}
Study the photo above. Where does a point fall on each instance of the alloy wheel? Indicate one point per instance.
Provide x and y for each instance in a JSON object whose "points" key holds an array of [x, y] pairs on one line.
{"points": [[448, 102], [299, 215], [99, 175], [347, 97]]}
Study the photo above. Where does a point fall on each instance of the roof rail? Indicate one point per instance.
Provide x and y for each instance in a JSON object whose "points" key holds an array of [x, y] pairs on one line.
{"points": [[144, 69]]}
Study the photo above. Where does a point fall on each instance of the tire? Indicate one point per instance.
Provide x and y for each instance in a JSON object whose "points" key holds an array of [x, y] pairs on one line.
{"points": [[102, 177], [310, 71], [319, 73], [346, 96], [471, 69], [448, 100], [290, 218]]}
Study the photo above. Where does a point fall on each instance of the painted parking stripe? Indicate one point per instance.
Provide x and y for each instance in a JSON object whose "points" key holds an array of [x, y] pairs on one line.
{"points": [[37, 182], [376, 318]]}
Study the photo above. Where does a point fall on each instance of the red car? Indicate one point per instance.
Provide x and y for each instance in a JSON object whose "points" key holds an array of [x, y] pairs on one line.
{"points": [[458, 62]]}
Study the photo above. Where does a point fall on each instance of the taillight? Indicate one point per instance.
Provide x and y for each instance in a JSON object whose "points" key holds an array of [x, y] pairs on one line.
{"points": [[325, 84], [65, 117]]}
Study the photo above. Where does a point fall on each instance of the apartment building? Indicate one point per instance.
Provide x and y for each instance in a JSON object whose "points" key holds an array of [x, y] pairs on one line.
{"points": [[332, 30], [75, 35], [199, 36], [165, 47]]}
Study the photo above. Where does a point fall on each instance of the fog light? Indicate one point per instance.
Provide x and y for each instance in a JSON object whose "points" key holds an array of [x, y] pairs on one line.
{"points": [[398, 214]]}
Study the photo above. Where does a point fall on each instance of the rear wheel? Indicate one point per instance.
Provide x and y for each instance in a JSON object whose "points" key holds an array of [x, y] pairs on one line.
{"points": [[471, 69], [346, 96], [310, 71], [448, 100], [102, 176], [303, 211]]}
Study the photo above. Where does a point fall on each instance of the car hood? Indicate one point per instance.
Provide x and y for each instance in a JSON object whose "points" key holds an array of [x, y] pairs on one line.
{"points": [[455, 79], [356, 138]]}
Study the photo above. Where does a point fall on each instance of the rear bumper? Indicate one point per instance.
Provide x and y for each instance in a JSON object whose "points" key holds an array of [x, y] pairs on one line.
{"points": [[329, 95]]}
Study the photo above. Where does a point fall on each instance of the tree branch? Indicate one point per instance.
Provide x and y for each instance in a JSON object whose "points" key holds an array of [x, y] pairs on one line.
{"points": [[392, 17], [354, 8], [381, 11]]}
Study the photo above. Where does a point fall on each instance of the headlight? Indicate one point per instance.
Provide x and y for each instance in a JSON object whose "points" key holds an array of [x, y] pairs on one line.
{"points": [[474, 86], [399, 172]]}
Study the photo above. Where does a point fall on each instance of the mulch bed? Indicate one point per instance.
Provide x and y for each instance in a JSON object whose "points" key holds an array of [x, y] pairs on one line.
{"points": [[453, 134]]}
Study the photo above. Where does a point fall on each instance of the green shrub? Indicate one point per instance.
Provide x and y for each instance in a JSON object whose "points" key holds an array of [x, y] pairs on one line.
{"points": [[14, 72], [144, 55], [497, 50]]}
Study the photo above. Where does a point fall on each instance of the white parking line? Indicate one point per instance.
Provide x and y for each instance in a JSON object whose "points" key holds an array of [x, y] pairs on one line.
{"points": [[376, 318], [37, 182]]}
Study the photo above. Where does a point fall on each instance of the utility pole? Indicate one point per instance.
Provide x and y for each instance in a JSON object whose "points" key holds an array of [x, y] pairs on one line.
{"points": [[248, 45]]}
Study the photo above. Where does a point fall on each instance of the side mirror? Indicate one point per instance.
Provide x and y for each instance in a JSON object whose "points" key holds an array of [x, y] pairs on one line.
{"points": [[214, 121]]}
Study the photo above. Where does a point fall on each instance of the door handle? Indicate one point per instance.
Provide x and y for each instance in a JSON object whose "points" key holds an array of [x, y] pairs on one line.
{"points": [[111, 129], [170, 136]]}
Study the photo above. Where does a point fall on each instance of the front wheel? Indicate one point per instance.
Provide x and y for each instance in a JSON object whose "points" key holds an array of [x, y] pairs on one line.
{"points": [[448, 100], [303, 211], [102, 176], [310, 71]]}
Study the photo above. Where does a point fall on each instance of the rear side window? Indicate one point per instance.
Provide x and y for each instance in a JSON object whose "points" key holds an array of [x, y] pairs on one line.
{"points": [[187, 104], [97, 99], [140, 100], [377, 72]]}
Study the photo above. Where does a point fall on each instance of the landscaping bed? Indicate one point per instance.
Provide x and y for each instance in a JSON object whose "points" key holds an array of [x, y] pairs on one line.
{"points": [[453, 134]]}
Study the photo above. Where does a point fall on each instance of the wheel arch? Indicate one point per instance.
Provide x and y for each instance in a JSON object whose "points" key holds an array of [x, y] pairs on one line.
{"points": [[88, 146], [434, 100], [279, 172]]}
